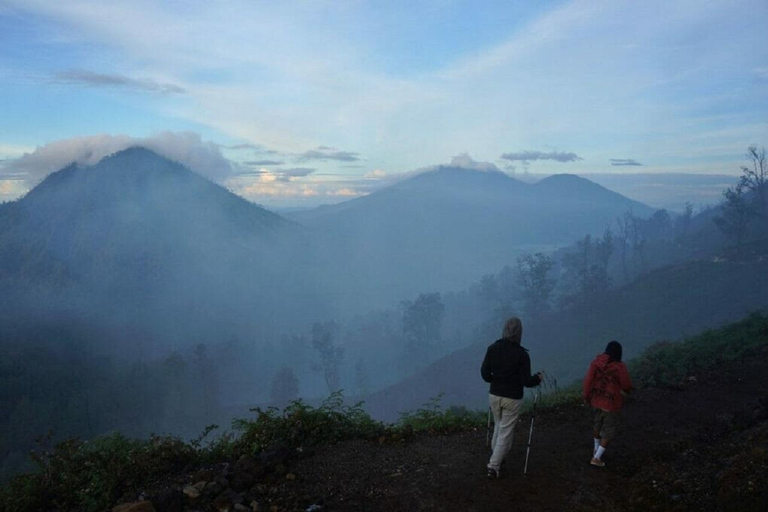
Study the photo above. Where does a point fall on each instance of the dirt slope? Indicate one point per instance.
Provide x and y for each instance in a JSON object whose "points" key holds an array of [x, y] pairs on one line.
{"points": [[701, 446]]}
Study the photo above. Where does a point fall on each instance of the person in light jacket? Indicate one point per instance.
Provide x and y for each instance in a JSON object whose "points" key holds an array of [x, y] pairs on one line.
{"points": [[605, 384], [507, 368]]}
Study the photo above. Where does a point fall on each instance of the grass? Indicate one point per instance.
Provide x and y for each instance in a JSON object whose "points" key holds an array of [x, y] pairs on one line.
{"points": [[669, 364]]}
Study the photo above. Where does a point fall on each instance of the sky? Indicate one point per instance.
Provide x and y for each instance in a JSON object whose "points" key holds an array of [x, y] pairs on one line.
{"points": [[300, 103]]}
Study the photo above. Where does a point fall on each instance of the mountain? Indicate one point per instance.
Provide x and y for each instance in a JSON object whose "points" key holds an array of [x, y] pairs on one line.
{"points": [[443, 228], [668, 303], [141, 242]]}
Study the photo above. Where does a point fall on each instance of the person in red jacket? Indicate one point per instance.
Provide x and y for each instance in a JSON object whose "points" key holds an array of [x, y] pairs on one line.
{"points": [[605, 384]]}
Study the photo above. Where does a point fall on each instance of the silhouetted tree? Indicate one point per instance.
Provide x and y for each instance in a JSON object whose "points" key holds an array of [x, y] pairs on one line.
{"points": [[533, 275], [205, 375], [586, 268], [754, 178], [330, 353], [624, 224], [284, 388], [735, 215], [361, 378], [658, 226], [422, 321], [683, 222]]}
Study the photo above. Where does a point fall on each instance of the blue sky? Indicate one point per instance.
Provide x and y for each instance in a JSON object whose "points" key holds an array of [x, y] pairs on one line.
{"points": [[309, 102]]}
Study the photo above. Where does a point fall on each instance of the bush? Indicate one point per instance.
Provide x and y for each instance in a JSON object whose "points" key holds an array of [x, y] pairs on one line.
{"points": [[91, 475], [430, 418], [302, 425], [668, 364]]}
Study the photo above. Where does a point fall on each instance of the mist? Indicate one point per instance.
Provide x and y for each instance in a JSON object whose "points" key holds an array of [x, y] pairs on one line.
{"points": [[139, 295]]}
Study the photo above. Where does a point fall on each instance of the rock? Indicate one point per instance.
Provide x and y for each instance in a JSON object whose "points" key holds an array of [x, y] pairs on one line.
{"points": [[200, 485], [290, 476], [191, 492], [227, 500], [255, 506], [203, 475], [139, 506], [222, 481], [249, 465], [241, 481], [239, 507], [212, 488], [171, 500]]}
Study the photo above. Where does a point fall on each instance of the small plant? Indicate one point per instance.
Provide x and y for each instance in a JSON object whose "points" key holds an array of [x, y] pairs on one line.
{"points": [[430, 418], [90, 475], [300, 425], [669, 364]]}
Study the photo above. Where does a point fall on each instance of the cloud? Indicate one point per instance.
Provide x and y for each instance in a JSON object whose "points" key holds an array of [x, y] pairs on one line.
{"points": [[91, 79], [325, 153], [466, 162], [11, 189], [241, 146], [297, 172], [345, 192], [186, 148], [624, 161], [282, 175], [376, 175], [261, 163], [530, 156]]}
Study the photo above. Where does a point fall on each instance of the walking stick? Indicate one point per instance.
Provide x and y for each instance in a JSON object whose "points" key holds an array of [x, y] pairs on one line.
{"points": [[488, 430], [530, 432]]}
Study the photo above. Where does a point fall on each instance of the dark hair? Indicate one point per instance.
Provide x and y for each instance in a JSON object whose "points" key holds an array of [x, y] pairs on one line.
{"points": [[614, 350]]}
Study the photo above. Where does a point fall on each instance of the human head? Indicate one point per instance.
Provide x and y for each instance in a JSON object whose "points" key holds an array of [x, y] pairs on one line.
{"points": [[613, 349], [513, 330]]}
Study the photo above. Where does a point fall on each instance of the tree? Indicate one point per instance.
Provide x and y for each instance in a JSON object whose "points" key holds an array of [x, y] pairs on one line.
{"points": [[533, 275], [206, 378], [754, 178], [361, 378], [499, 292], [658, 226], [331, 354], [683, 222], [586, 268], [736, 214], [422, 322], [624, 224], [284, 388]]}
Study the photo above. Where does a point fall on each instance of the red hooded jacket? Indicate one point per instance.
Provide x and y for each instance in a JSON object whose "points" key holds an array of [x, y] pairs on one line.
{"points": [[604, 382]]}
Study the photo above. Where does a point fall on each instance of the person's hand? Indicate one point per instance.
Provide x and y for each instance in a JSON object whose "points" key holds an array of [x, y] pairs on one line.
{"points": [[541, 375]]}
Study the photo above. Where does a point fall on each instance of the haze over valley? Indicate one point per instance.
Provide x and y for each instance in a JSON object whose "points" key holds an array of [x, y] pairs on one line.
{"points": [[208, 211]]}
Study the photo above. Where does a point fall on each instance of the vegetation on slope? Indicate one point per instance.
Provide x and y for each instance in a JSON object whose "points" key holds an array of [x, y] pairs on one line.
{"points": [[93, 475]]}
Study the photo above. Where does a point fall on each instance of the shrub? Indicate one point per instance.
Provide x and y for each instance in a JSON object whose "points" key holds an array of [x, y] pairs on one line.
{"points": [[91, 475], [668, 364], [430, 418], [301, 425]]}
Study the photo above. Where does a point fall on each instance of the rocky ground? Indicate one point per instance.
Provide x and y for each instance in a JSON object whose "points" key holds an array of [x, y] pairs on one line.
{"points": [[702, 445]]}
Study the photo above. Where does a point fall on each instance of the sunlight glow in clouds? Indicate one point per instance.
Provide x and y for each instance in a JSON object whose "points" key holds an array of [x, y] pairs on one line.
{"points": [[352, 88]]}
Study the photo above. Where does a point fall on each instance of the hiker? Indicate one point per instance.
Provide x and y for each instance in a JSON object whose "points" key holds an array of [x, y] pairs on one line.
{"points": [[605, 384], [508, 368]]}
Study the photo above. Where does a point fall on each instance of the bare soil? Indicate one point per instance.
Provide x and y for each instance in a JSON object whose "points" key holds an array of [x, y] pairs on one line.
{"points": [[699, 446]]}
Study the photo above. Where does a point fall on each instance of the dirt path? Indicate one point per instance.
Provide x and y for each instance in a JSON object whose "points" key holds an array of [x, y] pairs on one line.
{"points": [[699, 447]]}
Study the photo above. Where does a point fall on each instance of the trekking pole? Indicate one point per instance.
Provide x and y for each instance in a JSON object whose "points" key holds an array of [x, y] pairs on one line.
{"points": [[488, 430], [530, 432]]}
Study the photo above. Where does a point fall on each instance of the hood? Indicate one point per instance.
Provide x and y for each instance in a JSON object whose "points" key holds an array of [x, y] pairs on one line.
{"points": [[602, 360]]}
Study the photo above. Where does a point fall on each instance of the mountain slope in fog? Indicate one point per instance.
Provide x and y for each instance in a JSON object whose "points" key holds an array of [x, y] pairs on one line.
{"points": [[443, 228], [669, 303], [138, 238]]}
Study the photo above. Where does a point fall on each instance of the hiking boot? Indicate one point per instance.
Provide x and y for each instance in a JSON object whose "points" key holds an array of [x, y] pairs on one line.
{"points": [[492, 474], [597, 462]]}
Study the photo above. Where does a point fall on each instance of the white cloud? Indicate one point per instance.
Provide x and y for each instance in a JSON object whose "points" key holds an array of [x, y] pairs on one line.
{"points": [[185, 148], [466, 162]]}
